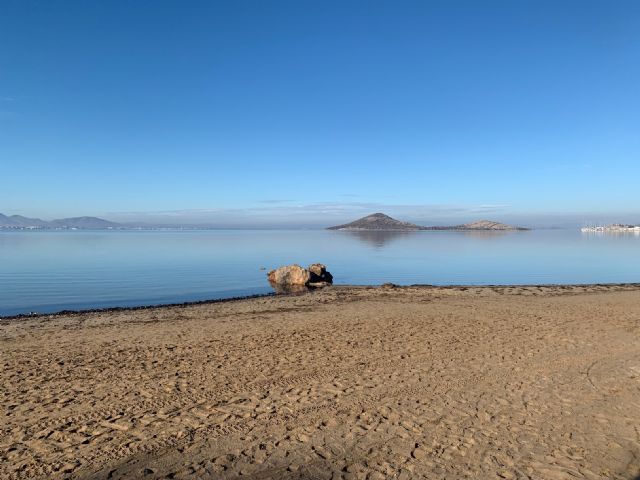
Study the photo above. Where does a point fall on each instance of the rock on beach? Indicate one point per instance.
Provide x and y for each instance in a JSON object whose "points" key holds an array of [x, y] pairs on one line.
{"points": [[289, 275], [296, 276]]}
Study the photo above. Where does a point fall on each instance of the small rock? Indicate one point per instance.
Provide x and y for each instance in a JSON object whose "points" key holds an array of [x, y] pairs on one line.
{"points": [[317, 269], [319, 274], [419, 453]]}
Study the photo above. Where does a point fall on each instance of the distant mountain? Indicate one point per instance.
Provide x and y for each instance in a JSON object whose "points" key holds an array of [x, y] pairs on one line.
{"points": [[377, 221], [18, 222], [27, 222], [4, 220]]}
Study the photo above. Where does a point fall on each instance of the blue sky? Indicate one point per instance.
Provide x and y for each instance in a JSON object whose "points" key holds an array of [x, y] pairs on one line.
{"points": [[309, 112]]}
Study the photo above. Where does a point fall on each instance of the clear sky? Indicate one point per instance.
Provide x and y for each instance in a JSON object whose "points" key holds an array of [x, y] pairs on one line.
{"points": [[317, 111]]}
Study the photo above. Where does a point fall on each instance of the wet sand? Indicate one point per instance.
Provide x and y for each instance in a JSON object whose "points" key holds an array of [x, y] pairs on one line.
{"points": [[347, 382]]}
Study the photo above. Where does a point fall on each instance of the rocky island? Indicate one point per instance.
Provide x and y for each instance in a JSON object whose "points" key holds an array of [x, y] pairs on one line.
{"points": [[484, 225], [380, 221], [377, 221]]}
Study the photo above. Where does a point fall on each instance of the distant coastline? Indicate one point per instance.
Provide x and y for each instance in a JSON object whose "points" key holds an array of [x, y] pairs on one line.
{"points": [[374, 222]]}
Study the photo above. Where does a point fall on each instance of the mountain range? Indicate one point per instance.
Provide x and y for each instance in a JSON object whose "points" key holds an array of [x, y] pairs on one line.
{"points": [[380, 221], [18, 222]]}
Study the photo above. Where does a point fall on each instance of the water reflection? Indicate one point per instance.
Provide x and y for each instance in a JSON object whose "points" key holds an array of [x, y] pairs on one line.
{"points": [[378, 238], [487, 234], [613, 233], [289, 289], [382, 238]]}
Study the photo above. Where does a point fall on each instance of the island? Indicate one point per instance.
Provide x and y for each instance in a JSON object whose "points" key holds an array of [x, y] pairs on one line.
{"points": [[483, 225], [381, 221], [377, 221]]}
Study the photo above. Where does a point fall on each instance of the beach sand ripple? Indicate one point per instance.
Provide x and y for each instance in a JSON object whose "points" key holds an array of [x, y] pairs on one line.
{"points": [[346, 382]]}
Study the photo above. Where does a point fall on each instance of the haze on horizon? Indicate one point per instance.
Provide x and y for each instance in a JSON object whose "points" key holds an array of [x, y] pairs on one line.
{"points": [[312, 114]]}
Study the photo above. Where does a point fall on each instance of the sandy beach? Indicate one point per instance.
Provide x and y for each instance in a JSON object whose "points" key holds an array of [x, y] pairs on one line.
{"points": [[347, 382]]}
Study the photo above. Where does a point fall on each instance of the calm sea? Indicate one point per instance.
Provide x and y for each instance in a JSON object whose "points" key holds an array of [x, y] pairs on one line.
{"points": [[52, 271]]}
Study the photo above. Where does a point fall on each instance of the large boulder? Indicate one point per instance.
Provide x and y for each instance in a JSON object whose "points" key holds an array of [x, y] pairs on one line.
{"points": [[290, 275], [296, 278]]}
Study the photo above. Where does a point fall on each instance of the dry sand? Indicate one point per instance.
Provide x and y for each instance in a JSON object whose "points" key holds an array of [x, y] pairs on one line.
{"points": [[418, 382]]}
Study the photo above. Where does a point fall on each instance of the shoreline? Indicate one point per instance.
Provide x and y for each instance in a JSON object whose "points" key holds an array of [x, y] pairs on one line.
{"points": [[153, 306], [159, 306]]}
